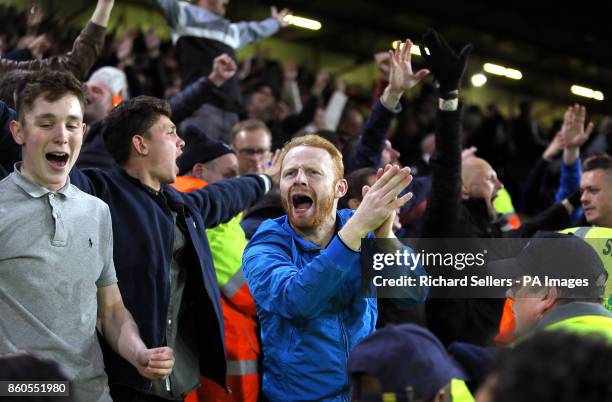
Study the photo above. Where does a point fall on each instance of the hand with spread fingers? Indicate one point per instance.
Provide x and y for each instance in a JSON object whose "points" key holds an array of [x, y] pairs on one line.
{"points": [[574, 133], [386, 228], [401, 77], [273, 170], [379, 203], [447, 66]]}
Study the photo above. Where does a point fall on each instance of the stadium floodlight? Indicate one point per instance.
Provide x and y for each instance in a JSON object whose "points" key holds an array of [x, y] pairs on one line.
{"points": [[479, 80], [587, 92], [507, 72], [302, 22], [415, 50]]}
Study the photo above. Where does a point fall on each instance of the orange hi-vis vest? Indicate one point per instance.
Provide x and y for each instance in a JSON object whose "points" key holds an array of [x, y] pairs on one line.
{"points": [[227, 242]]}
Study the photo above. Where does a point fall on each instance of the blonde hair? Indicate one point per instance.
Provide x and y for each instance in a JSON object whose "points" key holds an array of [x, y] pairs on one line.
{"points": [[316, 141]]}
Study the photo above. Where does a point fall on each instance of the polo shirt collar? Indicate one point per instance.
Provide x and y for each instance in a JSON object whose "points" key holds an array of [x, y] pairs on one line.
{"points": [[36, 190]]}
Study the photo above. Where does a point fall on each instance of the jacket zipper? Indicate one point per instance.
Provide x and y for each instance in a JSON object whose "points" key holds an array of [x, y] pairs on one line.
{"points": [[167, 385]]}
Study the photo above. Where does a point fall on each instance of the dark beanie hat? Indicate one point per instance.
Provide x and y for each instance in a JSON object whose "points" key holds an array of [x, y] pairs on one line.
{"points": [[202, 150]]}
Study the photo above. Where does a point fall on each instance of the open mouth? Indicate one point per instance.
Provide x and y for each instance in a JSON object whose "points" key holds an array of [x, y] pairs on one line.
{"points": [[301, 202], [57, 160]]}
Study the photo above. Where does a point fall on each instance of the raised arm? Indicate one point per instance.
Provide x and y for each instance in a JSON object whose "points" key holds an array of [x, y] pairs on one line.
{"points": [[401, 79], [171, 10], [221, 201], [85, 50], [201, 91], [251, 32], [574, 135], [444, 201], [293, 123], [102, 12], [533, 196]]}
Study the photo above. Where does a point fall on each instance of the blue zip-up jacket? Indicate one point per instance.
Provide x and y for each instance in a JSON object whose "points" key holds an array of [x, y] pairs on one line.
{"points": [[310, 309], [143, 231], [569, 183]]}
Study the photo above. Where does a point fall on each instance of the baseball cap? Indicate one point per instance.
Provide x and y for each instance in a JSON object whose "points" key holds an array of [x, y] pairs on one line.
{"points": [[405, 355], [202, 150], [556, 256]]}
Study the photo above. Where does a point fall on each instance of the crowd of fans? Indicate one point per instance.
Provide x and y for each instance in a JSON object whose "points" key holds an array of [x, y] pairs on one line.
{"points": [[176, 225]]}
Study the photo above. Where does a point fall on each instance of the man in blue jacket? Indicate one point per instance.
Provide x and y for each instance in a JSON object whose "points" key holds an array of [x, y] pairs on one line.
{"points": [[303, 268]]}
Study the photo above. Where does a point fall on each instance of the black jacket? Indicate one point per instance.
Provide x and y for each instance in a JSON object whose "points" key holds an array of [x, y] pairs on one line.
{"points": [[143, 229], [448, 216], [10, 152]]}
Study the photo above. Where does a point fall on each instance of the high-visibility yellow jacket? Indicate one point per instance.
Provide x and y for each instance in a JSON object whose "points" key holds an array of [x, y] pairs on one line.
{"points": [[582, 318], [600, 239]]}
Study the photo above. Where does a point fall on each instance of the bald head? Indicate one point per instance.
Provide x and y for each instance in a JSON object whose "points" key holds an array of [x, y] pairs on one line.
{"points": [[472, 167], [479, 180]]}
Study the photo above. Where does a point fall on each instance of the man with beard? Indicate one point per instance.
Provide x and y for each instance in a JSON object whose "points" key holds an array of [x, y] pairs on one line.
{"points": [[303, 271], [303, 268]]}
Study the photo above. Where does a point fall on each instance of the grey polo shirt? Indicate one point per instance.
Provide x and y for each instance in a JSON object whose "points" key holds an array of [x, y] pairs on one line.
{"points": [[55, 252]]}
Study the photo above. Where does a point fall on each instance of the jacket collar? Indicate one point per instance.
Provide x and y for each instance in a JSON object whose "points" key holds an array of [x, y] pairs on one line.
{"points": [[341, 219], [572, 309], [166, 193], [477, 207]]}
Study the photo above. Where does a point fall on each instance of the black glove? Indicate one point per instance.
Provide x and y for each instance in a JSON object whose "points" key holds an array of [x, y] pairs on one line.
{"points": [[443, 62]]}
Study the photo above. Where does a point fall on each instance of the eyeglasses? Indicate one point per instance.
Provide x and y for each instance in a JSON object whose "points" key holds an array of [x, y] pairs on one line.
{"points": [[253, 152]]}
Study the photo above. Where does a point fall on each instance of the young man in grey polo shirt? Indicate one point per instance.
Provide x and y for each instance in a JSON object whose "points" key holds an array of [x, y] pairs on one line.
{"points": [[57, 277]]}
